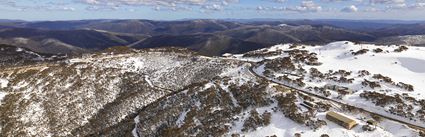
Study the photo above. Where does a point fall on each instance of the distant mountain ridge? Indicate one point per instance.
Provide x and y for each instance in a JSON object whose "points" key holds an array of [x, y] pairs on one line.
{"points": [[14, 56], [64, 41], [209, 37]]}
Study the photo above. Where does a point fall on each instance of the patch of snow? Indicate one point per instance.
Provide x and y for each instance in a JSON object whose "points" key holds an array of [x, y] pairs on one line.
{"points": [[134, 131], [19, 49], [198, 104], [216, 109], [149, 81], [197, 122], [283, 25], [232, 97], [413, 64], [3, 83], [2, 95], [180, 120], [227, 55], [136, 63]]}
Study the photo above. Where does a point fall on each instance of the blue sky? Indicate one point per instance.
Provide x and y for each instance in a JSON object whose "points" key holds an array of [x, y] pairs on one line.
{"points": [[211, 9]]}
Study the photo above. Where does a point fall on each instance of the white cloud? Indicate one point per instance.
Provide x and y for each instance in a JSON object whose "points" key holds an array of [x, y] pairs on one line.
{"points": [[260, 8], [404, 6], [301, 6], [397, 6], [279, 1], [35, 5], [419, 5], [351, 8], [306, 6], [372, 9], [171, 3], [211, 5], [340, 0], [387, 1]]}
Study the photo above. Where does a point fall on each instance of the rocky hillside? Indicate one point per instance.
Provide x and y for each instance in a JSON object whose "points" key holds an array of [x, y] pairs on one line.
{"points": [[413, 40], [15, 56], [87, 95]]}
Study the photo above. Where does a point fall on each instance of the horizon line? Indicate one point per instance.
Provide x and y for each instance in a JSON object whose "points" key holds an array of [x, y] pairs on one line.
{"points": [[224, 19]]}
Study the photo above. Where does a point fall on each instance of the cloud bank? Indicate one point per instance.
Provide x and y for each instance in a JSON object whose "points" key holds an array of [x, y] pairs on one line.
{"points": [[297, 6]]}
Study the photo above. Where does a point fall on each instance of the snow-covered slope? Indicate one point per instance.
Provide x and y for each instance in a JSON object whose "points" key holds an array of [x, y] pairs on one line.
{"points": [[406, 66], [15, 56], [174, 92], [387, 80], [238, 103], [84, 96]]}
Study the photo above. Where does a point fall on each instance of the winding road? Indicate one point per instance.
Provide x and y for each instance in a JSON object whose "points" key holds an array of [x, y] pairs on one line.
{"points": [[253, 65]]}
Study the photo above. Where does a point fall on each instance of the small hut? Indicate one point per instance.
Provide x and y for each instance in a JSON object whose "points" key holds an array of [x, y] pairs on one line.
{"points": [[370, 126], [309, 104], [341, 120]]}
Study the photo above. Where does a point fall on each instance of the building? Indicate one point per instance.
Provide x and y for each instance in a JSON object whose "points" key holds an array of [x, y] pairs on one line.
{"points": [[340, 89], [309, 104], [341, 120]]}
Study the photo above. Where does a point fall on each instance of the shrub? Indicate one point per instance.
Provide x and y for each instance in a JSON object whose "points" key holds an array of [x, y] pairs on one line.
{"points": [[286, 104], [364, 73], [267, 116], [405, 86], [362, 51], [315, 73], [401, 49], [280, 63], [255, 120], [378, 50], [236, 135], [297, 135], [316, 124], [324, 135], [371, 84], [383, 78], [422, 134]]}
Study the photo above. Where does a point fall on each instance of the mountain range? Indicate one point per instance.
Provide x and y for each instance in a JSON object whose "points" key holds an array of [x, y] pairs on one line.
{"points": [[208, 37]]}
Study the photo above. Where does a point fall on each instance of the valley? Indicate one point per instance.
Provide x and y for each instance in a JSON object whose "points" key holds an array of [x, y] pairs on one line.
{"points": [[206, 36]]}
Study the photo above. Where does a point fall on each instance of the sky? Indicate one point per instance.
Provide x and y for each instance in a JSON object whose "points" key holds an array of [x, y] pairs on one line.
{"points": [[212, 9]]}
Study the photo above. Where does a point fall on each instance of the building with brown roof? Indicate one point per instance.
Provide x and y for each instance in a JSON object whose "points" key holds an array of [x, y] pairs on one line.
{"points": [[341, 120]]}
